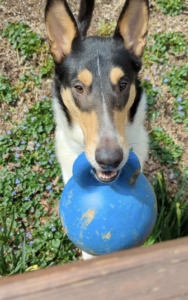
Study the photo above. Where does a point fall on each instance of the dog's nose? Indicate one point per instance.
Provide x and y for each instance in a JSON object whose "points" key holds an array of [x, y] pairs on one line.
{"points": [[109, 157]]}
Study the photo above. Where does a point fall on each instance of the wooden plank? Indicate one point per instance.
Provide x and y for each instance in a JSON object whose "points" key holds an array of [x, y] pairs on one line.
{"points": [[156, 272]]}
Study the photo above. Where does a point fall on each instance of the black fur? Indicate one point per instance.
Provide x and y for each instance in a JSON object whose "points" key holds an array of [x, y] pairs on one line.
{"points": [[117, 34], [139, 92], [56, 93], [50, 3], [85, 15]]}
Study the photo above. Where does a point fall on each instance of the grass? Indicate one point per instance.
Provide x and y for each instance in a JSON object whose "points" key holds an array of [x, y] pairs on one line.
{"points": [[172, 221], [31, 235]]}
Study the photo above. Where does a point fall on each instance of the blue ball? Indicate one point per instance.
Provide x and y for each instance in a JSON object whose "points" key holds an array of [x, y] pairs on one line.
{"points": [[101, 218]]}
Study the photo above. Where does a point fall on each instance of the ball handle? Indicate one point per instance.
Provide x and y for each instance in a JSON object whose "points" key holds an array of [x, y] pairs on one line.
{"points": [[83, 175], [82, 171], [131, 170]]}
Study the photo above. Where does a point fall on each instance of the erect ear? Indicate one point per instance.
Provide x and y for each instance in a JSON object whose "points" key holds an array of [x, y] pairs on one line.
{"points": [[85, 15], [132, 25], [61, 28]]}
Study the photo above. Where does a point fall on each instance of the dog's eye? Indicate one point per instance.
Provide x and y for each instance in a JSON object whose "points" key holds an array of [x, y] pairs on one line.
{"points": [[79, 89], [122, 86]]}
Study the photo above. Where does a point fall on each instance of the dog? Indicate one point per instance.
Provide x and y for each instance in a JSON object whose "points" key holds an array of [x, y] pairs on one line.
{"points": [[98, 103]]}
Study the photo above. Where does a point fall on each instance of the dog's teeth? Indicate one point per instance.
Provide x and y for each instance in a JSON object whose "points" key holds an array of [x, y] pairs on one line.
{"points": [[102, 175]]}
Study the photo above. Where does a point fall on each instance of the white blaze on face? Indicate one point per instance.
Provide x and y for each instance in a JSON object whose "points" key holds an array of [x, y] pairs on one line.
{"points": [[107, 124]]}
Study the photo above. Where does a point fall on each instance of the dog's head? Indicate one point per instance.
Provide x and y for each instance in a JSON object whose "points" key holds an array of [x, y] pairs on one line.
{"points": [[97, 77]]}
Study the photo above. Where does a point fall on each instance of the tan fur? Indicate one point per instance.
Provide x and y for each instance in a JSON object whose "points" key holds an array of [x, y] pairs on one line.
{"points": [[86, 77], [116, 74], [87, 121], [69, 103], [90, 127], [61, 31], [138, 41], [121, 117]]}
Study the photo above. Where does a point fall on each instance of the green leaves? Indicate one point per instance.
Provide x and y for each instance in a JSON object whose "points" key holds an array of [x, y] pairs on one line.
{"points": [[27, 183], [171, 7], [27, 80], [56, 243], [163, 147], [164, 44], [177, 80], [172, 221], [7, 92], [47, 68], [151, 93], [105, 29], [22, 38]]}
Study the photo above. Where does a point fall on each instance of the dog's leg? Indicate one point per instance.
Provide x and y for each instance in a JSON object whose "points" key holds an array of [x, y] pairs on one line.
{"points": [[65, 155], [87, 256], [66, 158]]}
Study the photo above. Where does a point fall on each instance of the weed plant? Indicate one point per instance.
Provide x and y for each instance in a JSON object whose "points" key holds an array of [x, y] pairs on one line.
{"points": [[159, 136], [7, 92], [176, 78], [172, 221], [47, 68], [27, 80], [106, 29], [152, 93], [28, 184], [22, 38], [171, 7], [164, 44]]}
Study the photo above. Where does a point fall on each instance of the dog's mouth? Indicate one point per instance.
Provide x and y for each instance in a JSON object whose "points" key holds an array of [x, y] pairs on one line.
{"points": [[106, 176]]}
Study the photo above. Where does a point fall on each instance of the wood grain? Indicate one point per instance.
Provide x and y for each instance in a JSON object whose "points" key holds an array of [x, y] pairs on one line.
{"points": [[157, 272]]}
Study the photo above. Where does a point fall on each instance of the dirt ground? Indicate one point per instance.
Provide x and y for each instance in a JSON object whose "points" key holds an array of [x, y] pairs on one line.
{"points": [[32, 13]]}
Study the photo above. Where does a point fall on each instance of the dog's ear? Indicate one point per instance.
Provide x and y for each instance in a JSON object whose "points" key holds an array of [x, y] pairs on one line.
{"points": [[85, 15], [61, 28], [132, 25]]}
